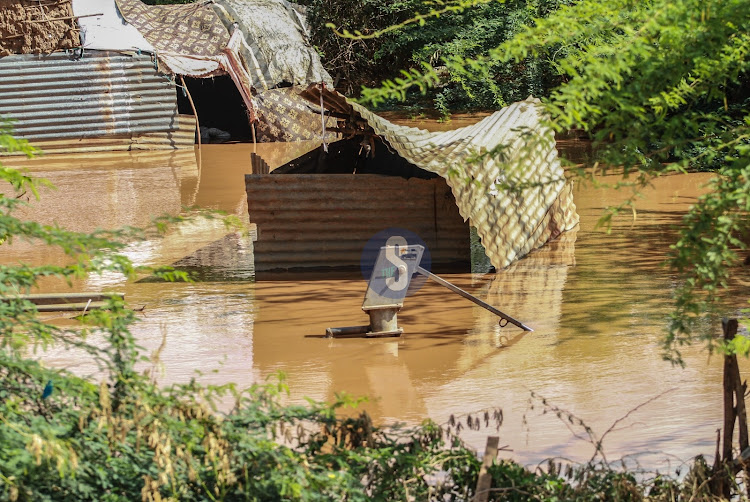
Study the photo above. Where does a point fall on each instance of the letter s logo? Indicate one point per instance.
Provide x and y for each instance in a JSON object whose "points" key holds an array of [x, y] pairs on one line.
{"points": [[391, 254]]}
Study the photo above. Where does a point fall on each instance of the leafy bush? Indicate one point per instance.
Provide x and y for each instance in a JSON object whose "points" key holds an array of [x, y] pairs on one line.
{"points": [[457, 32]]}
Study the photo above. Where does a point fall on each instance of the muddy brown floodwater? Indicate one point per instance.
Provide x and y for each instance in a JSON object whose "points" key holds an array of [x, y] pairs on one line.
{"points": [[598, 304]]}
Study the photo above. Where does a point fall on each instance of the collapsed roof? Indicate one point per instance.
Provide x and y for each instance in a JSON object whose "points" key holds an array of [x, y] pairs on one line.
{"points": [[504, 171]]}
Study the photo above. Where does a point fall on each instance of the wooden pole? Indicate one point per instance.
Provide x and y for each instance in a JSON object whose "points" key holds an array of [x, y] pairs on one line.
{"points": [[729, 392], [197, 121], [730, 331], [734, 405], [484, 482], [255, 144]]}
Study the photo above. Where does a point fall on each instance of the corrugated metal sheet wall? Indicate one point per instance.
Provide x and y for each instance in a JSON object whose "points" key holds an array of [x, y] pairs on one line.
{"points": [[55, 97], [181, 139], [307, 221]]}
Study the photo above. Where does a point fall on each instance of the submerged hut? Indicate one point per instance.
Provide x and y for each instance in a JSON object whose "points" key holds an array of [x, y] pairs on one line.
{"points": [[82, 75], [501, 176]]}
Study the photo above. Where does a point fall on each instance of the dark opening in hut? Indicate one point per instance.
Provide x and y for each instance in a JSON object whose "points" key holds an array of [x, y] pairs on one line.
{"points": [[219, 106]]}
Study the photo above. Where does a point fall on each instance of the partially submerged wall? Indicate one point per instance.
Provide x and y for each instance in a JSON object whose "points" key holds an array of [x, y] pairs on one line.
{"points": [[33, 27], [102, 94], [308, 222]]}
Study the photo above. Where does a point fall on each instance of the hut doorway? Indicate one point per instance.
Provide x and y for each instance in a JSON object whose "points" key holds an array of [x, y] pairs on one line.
{"points": [[219, 106]]}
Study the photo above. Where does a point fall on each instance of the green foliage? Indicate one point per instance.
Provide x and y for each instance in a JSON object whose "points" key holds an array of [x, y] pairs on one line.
{"points": [[373, 40], [660, 87], [63, 437]]}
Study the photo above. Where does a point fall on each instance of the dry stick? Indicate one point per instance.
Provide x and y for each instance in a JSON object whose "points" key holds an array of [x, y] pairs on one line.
{"points": [[255, 146], [614, 425], [67, 18], [715, 480]]}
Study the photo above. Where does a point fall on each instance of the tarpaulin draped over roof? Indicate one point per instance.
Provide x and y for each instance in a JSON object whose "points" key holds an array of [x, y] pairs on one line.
{"points": [[190, 39], [277, 48], [510, 222], [103, 28], [285, 116]]}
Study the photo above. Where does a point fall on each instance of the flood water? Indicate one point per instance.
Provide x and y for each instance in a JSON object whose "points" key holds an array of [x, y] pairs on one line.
{"points": [[598, 304]]}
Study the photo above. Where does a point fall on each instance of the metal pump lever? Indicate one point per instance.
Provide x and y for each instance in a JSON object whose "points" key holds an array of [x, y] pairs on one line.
{"points": [[472, 298], [391, 275]]}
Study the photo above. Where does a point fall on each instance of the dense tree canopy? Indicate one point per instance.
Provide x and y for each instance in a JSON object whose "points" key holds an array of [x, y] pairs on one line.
{"points": [[458, 32]]}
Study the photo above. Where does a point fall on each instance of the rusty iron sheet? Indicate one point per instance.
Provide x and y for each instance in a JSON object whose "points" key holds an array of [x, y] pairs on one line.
{"points": [[101, 94], [309, 221], [180, 139]]}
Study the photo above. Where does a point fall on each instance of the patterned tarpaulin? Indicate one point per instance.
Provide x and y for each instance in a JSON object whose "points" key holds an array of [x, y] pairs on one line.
{"points": [[192, 40], [268, 46], [517, 198], [191, 29], [285, 116]]}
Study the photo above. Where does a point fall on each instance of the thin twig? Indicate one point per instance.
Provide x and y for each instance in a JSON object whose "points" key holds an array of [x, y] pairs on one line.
{"points": [[66, 18]]}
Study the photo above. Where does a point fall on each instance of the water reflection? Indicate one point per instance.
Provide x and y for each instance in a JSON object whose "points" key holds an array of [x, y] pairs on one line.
{"points": [[598, 304]]}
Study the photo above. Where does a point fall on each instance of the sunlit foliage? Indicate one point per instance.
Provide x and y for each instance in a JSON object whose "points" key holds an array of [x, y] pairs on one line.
{"points": [[660, 87], [389, 38]]}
